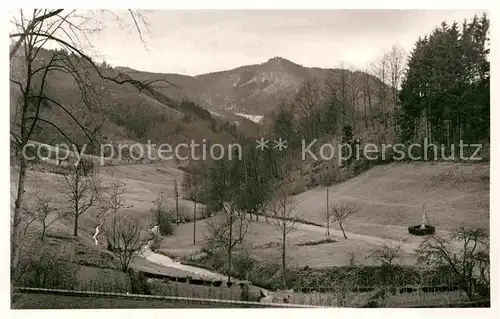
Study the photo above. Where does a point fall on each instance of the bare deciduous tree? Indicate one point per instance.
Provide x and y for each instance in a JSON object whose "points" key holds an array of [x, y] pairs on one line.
{"points": [[32, 32], [123, 232], [163, 217], [191, 185], [222, 192], [380, 69], [387, 253], [227, 231], [307, 103], [125, 238], [307, 98], [81, 188], [466, 253], [285, 216], [45, 212], [341, 212]]}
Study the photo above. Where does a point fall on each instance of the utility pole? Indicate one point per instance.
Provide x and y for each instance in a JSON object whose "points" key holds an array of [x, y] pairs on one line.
{"points": [[176, 194], [327, 211], [194, 223]]}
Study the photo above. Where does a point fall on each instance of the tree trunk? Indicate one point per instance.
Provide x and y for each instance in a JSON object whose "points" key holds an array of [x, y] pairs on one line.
{"points": [[230, 247], [343, 232], [43, 230], [77, 202], [327, 212], [283, 261], [176, 194], [75, 229], [15, 232], [194, 224]]}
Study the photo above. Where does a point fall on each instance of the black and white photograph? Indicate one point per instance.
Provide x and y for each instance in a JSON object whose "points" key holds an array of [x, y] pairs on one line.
{"points": [[249, 158]]}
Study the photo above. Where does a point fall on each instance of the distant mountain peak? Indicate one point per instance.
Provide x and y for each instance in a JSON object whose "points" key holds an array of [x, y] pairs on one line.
{"points": [[279, 60]]}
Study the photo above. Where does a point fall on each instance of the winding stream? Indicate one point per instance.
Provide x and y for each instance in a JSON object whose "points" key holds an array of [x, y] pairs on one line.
{"points": [[166, 261]]}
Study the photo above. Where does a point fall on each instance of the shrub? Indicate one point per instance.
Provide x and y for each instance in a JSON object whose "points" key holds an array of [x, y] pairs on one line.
{"points": [[317, 242], [138, 282], [298, 186], [45, 271], [165, 224], [155, 244], [242, 265]]}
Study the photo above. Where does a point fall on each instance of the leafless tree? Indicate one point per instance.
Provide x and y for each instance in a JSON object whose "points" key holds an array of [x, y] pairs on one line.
{"points": [[389, 69], [380, 69], [326, 216], [81, 188], [125, 238], [222, 190], [163, 217], [307, 103], [191, 186], [466, 253], [124, 233], [387, 253], [340, 213], [285, 217], [45, 212], [354, 88], [226, 231], [397, 65], [307, 98], [33, 31], [367, 84]]}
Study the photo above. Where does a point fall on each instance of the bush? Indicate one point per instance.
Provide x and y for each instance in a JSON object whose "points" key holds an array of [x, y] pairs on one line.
{"points": [[242, 266], [45, 271], [165, 224], [317, 242], [138, 282], [298, 186], [155, 244]]}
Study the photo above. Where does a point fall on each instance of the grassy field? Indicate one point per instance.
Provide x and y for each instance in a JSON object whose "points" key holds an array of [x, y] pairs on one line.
{"points": [[142, 183], [393, 195], [261, 235], [39, 301], [389, 198]]}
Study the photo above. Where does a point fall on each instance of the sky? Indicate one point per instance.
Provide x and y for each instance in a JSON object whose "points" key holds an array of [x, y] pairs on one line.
{"points": [[202, 41]]}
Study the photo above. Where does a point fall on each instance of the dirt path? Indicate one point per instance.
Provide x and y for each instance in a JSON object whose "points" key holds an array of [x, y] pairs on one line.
{"points": [[408, 247]]}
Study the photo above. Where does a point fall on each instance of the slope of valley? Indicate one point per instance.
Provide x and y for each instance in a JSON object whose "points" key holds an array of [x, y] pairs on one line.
{"points": [[251, 91], [226, 107]]}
